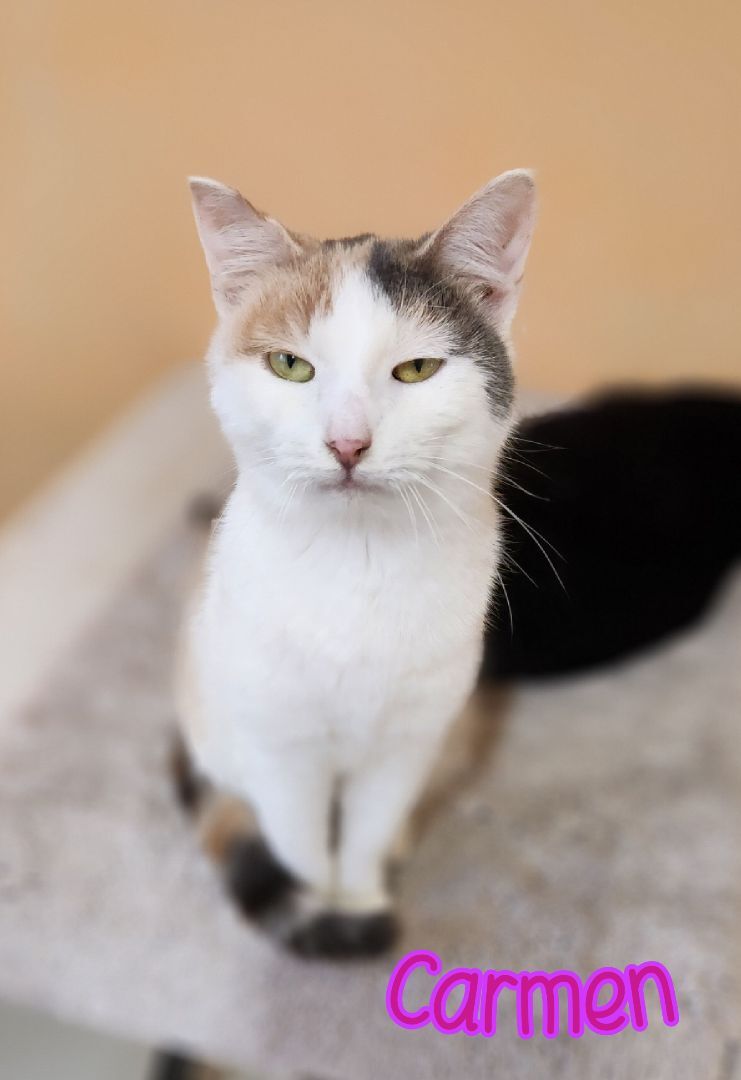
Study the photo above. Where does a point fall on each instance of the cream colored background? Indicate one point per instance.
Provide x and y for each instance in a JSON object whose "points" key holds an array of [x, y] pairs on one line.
{"points": [[340, 117]]}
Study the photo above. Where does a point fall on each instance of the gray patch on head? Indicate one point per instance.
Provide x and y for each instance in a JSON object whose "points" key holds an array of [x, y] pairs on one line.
{"points": [[409, 279], [347, 241]]}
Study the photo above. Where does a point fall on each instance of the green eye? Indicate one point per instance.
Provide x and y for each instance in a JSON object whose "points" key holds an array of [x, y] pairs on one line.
{"points": [[416, 370], [287, 366]]}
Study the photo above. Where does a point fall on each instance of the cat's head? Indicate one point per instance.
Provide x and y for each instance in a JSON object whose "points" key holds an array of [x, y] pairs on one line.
{"points": [[353, 368]]}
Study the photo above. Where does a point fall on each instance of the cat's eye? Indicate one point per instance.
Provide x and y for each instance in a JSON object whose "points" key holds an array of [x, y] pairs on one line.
{"points": [[288, 366], [416, 370]]}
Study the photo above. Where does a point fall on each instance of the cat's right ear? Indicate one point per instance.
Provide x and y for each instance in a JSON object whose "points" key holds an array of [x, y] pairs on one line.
{"points": [[238, 241], [485, 243]]}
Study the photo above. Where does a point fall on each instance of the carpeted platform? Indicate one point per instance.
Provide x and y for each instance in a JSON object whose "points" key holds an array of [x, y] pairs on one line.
{"points": [[604, 831]]}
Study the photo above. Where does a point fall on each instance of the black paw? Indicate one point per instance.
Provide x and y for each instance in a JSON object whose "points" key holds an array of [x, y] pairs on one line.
{"points": [[254, 877], [341, 936]]}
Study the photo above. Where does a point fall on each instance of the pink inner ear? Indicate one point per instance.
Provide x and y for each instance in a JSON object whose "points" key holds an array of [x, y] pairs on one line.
{"points": [[239, 241], [492, 294], [487, 240]]}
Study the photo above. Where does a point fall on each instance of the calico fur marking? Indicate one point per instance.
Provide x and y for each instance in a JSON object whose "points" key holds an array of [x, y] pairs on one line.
{"points": [[339, 628], [417, 286], [253, 877]]}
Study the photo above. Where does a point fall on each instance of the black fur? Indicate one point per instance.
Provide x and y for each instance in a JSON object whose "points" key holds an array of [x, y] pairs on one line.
{"points": [[640, 493], [254, 878], [189, 787], [338, 936], [406, 278]]}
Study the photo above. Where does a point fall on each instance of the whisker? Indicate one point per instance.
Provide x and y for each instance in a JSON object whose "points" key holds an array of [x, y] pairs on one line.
{"points": [[459, 461], [535, 442], [533, 534], [500, 579], [508, 558], [531, 531], [483, 468], [491, 495], [467, 520], [289, 479], [524, 490], [464, 479], [425, 513], [509, 452], [410, 511]]}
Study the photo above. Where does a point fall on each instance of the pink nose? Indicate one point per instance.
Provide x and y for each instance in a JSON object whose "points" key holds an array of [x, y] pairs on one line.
{"points": [[349, 451]]}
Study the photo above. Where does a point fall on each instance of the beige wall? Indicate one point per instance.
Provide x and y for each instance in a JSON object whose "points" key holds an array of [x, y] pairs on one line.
{"points": [[339, 117]]}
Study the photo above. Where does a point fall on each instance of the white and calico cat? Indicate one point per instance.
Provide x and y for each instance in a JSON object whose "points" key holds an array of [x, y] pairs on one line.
{"points": [[365, 387]]}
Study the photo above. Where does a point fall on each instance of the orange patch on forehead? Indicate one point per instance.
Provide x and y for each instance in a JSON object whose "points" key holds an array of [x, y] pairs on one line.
{"points": [[279, 311]]}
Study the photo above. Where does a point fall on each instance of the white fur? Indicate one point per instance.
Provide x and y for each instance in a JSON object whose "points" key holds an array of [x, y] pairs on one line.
{"points": [[339, 632]]}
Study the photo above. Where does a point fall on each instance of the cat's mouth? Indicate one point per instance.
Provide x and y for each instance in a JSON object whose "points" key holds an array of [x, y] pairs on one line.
{"points": [[350, 483]]}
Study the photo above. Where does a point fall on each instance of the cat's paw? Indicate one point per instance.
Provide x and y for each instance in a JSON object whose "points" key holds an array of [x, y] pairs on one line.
{"points": [[254, 878], [340, 935]]}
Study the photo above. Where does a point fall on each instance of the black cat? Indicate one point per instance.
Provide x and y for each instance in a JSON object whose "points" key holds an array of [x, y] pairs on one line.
{"points": [[635, 498]]}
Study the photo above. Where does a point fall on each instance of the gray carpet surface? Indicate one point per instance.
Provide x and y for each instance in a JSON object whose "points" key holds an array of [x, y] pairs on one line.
{"points": [[604, 831]]}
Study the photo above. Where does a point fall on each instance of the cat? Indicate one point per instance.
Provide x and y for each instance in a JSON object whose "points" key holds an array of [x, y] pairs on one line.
{"points": [[365, 387], [634, 498]]}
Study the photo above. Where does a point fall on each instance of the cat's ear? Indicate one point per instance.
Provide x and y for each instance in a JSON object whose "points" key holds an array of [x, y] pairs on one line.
{"points": [[239, 242], [486, 243]]}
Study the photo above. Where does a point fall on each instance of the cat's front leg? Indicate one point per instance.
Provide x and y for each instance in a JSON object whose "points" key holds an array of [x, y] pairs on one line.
{"points": [[374, 803], [292, 792]]}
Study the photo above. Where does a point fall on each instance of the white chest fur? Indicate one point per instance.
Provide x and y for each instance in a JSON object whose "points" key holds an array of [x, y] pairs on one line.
{"points": [[337, 635]]}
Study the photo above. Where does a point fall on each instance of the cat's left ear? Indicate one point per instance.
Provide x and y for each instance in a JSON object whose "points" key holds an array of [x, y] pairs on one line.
{"points": [[238, 241], [486, 242]]}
